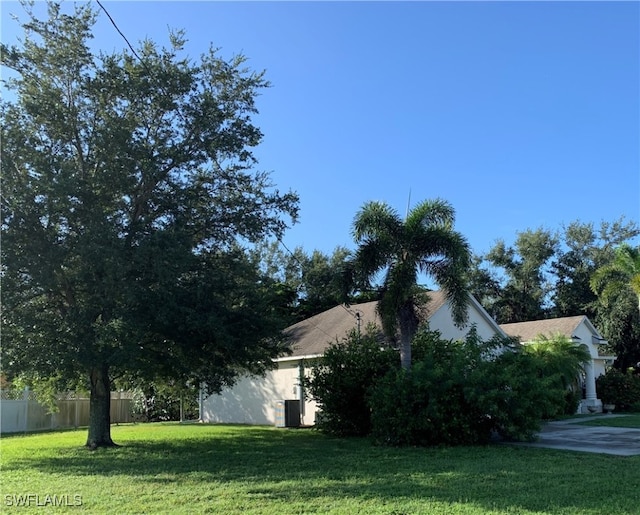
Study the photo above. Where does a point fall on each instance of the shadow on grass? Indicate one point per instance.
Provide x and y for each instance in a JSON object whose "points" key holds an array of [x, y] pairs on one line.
{"points": [[303, 466]]}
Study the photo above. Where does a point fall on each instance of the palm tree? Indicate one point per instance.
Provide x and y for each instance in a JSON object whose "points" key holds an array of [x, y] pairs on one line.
{"points": [[561, 363], [424, 242], [562, 358], [622, 273]]}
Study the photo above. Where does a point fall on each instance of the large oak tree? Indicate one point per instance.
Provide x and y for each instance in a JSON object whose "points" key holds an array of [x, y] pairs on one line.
{"points": [[128, 184]]}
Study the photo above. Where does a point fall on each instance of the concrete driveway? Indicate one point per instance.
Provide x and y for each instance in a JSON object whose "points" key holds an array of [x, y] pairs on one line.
{"points": [[568, 435]]}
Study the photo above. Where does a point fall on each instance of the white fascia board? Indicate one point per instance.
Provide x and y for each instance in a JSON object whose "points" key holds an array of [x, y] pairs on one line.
{"points": [[486, 316], [297, 358]]}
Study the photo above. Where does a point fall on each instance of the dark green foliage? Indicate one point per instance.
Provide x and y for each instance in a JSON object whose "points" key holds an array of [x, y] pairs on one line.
{"points": [[559, 362], [437, 401], [512, 394], [427, 405], [464, 392], [523, 294], [315, 282], [617, 285], [619, 322], [619, 388], [163, 402], [457, 392], [341, 382]]}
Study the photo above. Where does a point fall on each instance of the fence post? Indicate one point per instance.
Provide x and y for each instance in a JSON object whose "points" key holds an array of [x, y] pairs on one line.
{"points": [[201, 403], [25, 396]]}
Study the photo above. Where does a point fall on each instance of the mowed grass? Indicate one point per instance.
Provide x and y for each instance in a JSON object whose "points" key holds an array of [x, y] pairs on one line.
{"points": [[197, 468], [630, 420]]}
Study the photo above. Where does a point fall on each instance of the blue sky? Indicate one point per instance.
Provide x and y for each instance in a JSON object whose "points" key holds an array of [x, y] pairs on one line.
{"points": [[520, 114]]}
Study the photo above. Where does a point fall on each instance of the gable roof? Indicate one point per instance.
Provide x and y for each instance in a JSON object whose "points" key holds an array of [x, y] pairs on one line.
{"points": [[528, 331], [312, 336]]}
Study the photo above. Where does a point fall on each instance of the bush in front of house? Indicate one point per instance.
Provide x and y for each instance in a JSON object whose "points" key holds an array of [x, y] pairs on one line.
{"points": [[619, 388], [428, 404], [560, 362], [510, 391], [340, 383], [459, 393], [456, 393]]}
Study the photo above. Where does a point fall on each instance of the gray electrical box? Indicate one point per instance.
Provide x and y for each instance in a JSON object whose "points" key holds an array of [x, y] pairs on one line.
{"points": [[288, 413]]}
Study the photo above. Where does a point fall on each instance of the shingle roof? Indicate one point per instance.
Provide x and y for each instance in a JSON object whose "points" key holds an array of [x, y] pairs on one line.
{"points": [[311, 337], [528, 331]]}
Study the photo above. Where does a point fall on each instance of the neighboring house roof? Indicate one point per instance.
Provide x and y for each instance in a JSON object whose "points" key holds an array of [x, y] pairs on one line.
{"points": [[529, 331], [311, 337], [566, 326]]}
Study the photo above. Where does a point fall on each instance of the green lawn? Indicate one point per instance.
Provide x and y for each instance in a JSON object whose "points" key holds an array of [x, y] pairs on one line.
{"points": [[631, 420], [172, 468]]}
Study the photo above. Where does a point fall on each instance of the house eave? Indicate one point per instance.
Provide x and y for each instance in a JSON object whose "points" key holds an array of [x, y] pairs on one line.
{"points": [[297, 358]]}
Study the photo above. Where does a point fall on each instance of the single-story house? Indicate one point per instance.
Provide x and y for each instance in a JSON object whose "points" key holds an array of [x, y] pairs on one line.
{"points": [[581, 331], [261, 400]]}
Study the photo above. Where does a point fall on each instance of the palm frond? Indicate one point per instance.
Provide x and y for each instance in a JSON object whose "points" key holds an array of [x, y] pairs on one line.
{"points": [[429, 213], [376, 221]]}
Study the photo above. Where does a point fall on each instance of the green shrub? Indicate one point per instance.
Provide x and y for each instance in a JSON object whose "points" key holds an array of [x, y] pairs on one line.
{"points": [[161, 402], [340, 383], [435, 402], [512, 395], [619, 388], [424, 406], [462, 393], [456, 393]]}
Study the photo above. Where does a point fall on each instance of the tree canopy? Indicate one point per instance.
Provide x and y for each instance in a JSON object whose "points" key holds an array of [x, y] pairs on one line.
{"points": [[129, 188], [617, 285]]}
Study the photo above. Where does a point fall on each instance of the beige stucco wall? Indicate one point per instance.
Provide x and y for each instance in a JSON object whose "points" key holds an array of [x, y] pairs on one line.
{"points": [[443, 322], [253, 399]]}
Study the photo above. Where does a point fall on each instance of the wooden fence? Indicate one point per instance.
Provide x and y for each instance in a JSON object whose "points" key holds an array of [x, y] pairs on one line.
{"points": [[21, 412]]}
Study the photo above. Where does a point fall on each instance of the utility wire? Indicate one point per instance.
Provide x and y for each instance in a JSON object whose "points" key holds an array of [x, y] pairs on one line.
{"points": [[142, 62], [123, 36]]}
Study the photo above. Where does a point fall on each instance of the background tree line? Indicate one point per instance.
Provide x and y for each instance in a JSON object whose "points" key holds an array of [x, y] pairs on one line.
{"points": [[544, 273]]}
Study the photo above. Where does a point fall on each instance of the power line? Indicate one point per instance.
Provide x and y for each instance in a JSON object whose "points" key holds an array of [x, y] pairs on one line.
{"points": [[120, 32]]}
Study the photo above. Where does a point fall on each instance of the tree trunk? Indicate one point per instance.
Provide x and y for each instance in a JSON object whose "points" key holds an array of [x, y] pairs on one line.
{"points": [[408, 327], [405, 350], [99, 408]]}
